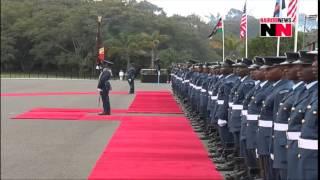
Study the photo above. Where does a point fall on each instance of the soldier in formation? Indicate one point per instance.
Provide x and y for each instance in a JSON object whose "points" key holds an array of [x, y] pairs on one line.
{"points": [[259, 117]]}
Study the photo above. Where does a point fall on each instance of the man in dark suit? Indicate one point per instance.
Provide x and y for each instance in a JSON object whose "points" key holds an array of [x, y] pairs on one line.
{"points": [[104, 87], [130, 77]]}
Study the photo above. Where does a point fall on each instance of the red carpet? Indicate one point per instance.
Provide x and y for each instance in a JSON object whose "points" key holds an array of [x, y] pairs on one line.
{"points": [[154, 102], [143, 147], [87, 110], [69, 114], [154, 148]]}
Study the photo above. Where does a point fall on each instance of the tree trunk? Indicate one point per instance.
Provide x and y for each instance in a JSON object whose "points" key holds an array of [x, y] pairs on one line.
{"points": [[152, 58]]}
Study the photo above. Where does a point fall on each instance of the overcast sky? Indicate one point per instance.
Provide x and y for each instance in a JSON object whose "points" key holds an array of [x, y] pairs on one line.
{"points": [[257, 8]]}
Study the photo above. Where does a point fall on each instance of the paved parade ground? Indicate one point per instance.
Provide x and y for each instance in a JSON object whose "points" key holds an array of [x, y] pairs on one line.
{"points": [[58, 149]]}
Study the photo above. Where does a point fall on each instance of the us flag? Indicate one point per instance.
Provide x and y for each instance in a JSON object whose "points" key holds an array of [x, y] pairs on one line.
{"points": [[243, 23], [292, 10]]}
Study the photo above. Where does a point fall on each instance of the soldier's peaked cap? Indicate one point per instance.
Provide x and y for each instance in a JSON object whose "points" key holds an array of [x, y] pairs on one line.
{"points": [[244, 63], [227, 63], [291, 56], [238, 61], [305, 58], [258, 60], [272, 61]]}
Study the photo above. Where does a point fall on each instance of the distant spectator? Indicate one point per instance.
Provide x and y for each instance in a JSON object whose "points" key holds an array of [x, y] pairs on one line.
{"points": [[121, 74]]}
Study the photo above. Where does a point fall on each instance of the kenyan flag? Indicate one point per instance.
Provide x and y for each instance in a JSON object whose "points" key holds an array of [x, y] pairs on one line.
{"points": [[217, 28]]}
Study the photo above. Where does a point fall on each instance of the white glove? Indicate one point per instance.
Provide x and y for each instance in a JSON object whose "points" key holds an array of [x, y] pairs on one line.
{"points": [[221, 122], [257, 155], [99, 90], [272, 156], [129, 80]]}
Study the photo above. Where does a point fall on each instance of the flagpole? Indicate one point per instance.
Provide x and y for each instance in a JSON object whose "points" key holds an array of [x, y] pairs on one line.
{"points": [[296, 29], [222, 39], [278, 40], [278, 46]]}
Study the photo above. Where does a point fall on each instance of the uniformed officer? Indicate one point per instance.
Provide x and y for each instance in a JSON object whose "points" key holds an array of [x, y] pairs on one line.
{"points": [[214, 142], [222, 110], [104, 87], [253, 112], [280, 87], [298, 110], [308, 141], [281, 121], [208, 77], [235, 106], [131, 74], [250, 158]]}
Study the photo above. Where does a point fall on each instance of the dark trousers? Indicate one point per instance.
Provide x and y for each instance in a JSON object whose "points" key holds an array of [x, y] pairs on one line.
{"points": [[131, 84], [267, 169], [280, 174], [251, 158], [105, 101], [236, 140]]}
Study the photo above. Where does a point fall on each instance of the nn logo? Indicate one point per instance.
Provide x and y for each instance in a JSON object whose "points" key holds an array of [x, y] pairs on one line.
{"points": [[275, 27]]}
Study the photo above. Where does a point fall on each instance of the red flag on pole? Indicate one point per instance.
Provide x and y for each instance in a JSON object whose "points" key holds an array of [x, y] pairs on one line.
{"points": [[101, 54]]}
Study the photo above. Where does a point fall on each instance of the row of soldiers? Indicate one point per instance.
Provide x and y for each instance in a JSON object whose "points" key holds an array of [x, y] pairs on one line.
{"points": [[260, 116]]}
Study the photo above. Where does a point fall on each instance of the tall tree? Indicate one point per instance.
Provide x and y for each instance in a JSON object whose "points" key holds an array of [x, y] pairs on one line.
{"points": [[153, 41]]}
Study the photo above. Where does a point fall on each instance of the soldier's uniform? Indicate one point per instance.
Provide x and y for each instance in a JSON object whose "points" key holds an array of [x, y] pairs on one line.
{"points": [[296, 120], [281, 123], [267, 115], [222, 107], [308, 141], [131, 76], [104, 87], [250, 158]]}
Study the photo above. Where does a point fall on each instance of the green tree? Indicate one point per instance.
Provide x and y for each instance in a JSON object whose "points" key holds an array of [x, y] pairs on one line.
{"points": [[153, 41], [125, 45]]}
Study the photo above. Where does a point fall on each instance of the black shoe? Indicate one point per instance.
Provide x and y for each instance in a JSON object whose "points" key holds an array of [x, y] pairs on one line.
{"points": [[230, 163], [204, 137], [224, 168], [219, 160], [242, 174], [214, 155], [104, 113], [198, 130], [211, 150]]}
